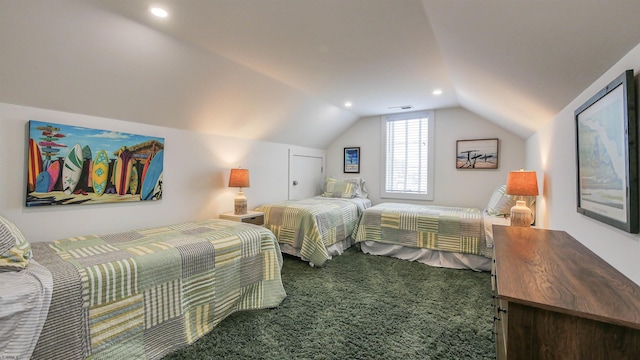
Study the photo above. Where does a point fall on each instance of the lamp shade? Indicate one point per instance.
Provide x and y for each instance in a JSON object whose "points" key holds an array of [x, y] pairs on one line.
{"points": [[239, 178], [523, 183]]}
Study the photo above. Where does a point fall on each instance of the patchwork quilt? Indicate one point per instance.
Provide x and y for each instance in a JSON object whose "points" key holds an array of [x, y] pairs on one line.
{"points": [[310, 225], [143, 294], [443, 228]]}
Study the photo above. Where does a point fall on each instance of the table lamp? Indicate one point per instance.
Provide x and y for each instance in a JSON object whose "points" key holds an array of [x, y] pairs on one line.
{"points": [[239, 178], [521, 183]]}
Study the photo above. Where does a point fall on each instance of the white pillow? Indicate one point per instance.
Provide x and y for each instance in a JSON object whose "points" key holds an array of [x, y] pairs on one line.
{"points": [[500, 204]]}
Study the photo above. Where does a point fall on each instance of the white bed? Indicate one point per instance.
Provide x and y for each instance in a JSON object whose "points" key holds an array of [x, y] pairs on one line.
{"points": [[137, 294], [443, 236], [318, 228], [448, 259]]}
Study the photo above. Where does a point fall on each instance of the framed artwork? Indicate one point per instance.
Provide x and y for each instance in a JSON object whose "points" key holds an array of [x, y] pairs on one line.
{"points": [[607, 155], [352, 159], [477, 154], [77, 165]]}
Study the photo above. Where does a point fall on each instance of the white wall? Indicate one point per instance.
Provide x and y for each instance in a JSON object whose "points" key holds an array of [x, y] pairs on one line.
{"points": [[453, 187], [196, 173], [551, 152]]}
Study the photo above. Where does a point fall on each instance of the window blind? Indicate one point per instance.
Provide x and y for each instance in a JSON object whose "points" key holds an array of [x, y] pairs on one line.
{"points": [[407, 155]]}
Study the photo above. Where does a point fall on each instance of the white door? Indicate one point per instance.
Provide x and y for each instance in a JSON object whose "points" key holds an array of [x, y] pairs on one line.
{"points": [[306, 175]]}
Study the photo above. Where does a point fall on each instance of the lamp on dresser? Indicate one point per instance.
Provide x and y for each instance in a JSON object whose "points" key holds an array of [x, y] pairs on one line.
{"points": [[521, 183], [239, 178]]}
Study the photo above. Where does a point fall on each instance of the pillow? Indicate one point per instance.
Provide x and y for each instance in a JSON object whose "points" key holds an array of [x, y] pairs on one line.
{"points": [[500, 204], [15, 251], [362, 189], [341, 188]]}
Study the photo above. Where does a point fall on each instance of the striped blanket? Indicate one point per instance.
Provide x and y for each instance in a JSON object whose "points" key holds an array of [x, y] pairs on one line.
{"points": [[443, 228], [142, 294], [310, 225]]}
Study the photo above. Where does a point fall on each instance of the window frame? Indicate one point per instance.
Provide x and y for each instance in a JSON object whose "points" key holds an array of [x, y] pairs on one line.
{"points": [[430, 115]]}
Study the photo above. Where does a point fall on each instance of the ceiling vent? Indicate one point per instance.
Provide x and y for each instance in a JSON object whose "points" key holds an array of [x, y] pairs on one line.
{"points": [[403, 107]]}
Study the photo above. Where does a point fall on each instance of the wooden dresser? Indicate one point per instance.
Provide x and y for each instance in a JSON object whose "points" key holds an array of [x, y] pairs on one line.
{"points": [[555, 299]]}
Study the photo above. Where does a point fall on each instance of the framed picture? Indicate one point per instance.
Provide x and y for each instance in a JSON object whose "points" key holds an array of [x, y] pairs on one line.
{"points": [[606, 155], [477, 154], [70, 164], [352, 159]]}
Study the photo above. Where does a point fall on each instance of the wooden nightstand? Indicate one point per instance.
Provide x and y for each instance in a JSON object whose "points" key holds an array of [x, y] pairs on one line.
{"points": [[251, 217]]}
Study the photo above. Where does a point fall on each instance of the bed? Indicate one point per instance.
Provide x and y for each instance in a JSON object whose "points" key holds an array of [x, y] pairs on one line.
{"points": [[134, 295], [318, 228], [443, 236]]}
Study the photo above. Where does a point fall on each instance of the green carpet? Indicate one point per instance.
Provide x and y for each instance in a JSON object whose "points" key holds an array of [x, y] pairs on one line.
{"points": [[362, 307]]}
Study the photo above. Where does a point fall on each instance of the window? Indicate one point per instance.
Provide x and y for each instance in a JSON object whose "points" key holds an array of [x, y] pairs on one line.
{"points": [[408, 156]]}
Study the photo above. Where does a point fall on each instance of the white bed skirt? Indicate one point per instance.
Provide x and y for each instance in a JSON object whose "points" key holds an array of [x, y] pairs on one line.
{"points": [[333, 250], [427, 256]]}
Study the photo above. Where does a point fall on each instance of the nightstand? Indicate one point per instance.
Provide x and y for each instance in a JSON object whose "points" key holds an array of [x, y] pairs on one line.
{"points": [[251, 217]]}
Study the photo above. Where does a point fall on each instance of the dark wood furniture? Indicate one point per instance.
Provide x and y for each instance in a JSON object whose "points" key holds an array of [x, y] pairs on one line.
{"points": [[555, 299]]}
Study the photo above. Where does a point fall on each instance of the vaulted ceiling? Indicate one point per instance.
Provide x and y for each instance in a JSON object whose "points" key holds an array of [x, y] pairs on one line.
{"points": [[282, 70]]}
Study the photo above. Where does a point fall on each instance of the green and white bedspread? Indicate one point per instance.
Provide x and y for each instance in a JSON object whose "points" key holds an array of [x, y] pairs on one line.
{"points": [[142, 294], [443, 228], [310, 225]]}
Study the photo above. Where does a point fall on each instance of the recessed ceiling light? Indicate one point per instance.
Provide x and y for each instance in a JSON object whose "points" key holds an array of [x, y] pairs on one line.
{"points": [[348, 104], [437, 92], [159, 12]]}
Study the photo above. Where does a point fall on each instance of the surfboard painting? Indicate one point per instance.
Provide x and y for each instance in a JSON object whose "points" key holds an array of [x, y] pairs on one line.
{"points": [[61, 170], [152, 183], [35, 164], [72, 169], [133, 182], [99, 173], [54, 174], [42, 182], [123, 171]]}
